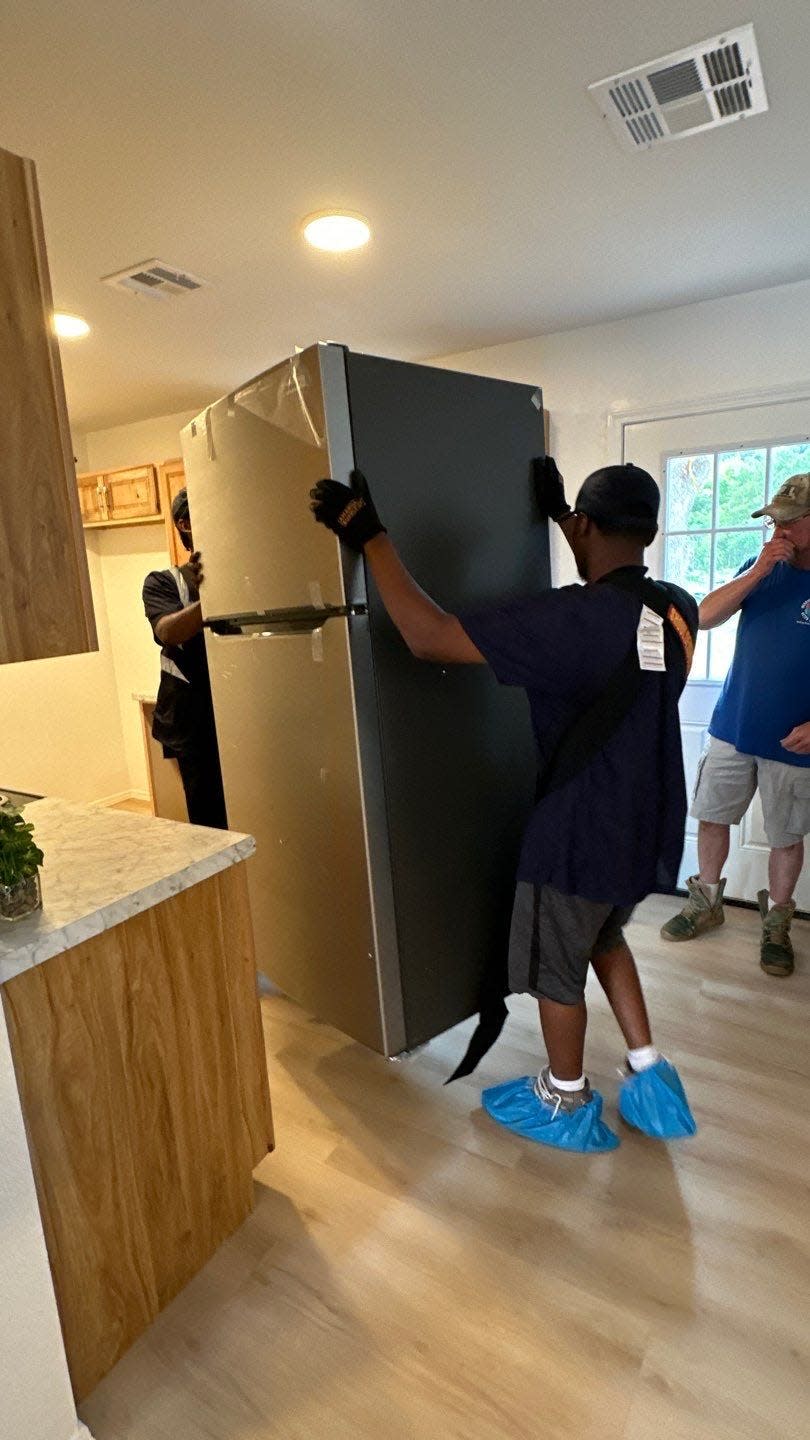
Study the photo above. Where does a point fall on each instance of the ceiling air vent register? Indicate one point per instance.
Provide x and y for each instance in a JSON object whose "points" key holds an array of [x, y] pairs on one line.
{"points": [[154, 278], [697, 89]]}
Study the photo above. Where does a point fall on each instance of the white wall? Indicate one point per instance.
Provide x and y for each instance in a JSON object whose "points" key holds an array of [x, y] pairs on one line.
{"points": [[758, 341], [36, 1401], [126, 557], [60, 724], [144, 442]]}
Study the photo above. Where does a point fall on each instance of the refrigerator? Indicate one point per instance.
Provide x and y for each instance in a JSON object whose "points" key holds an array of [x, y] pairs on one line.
{"points": [[387, 795]]}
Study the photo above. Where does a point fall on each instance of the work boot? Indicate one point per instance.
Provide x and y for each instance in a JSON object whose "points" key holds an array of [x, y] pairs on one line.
{"points": [[697, 915], [776, 951]]}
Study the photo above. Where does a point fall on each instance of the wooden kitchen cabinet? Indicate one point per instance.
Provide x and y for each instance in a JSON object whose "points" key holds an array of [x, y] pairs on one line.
{"points": [[91, 498], [119, 497], [171, 478], [131, 493], [46, 605], [140, 1064]]}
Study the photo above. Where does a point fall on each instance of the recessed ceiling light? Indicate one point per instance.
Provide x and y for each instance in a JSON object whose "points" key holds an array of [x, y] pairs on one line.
{"points": [[70, 327], [331, 231]]}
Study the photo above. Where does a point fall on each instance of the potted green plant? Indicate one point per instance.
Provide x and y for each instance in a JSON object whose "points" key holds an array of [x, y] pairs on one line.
{"points": [[20, 859]]}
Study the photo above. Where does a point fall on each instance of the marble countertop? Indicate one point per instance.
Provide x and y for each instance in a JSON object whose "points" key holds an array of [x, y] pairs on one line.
{"points": [[102, 866]]}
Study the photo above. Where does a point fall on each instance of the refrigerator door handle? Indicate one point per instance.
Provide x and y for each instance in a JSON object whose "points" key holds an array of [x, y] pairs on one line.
{"points": [[279, 622]]}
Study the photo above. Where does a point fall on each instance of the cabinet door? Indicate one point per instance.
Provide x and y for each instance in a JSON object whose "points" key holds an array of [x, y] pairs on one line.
{"points": [[172, 477], [45, 603], [131, 493], [92, 499]]}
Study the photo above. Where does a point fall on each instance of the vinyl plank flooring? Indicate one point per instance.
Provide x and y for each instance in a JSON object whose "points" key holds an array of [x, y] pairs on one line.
{"points": [[413, 1271]]}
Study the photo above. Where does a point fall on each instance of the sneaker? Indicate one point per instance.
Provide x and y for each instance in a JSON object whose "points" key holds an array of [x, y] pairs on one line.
{"points": [[697, 915], [654, 1102], [567, 1100], [776, 951], [537, 1110]]}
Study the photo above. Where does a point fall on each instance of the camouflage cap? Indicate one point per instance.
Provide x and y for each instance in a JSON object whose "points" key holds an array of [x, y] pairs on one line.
{"points": [[791, 501]]}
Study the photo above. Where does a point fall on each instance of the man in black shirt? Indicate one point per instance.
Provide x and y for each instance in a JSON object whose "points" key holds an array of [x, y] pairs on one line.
{"points": [[610, 829], [184, 716]]}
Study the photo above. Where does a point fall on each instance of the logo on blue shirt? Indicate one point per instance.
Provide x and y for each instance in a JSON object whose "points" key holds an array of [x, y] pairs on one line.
{"points": [[804, 614]]}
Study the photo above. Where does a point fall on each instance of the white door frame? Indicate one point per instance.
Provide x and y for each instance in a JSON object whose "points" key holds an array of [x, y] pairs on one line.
{"points": [[693, 720], [618, 421]]}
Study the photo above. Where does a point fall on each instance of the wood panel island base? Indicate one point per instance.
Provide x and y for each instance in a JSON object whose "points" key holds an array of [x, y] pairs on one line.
{"points": [[139, 1059]]}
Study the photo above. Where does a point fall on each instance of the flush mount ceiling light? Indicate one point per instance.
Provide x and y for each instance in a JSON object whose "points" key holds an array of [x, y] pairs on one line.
{"points": [[336, 231], [70, 327]]}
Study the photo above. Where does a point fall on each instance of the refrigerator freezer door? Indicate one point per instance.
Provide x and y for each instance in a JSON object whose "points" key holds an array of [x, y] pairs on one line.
{"points": [[447, 457], [251, 460], [285, 713]]}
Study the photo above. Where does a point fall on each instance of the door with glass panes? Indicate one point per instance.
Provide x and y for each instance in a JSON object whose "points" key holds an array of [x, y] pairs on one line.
{"points": [[713, 471]]}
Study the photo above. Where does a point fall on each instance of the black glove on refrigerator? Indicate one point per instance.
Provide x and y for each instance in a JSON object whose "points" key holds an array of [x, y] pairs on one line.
{"points": [[548, 489], [348, 511]]}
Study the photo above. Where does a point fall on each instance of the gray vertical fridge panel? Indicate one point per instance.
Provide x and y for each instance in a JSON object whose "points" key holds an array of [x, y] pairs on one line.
{"points": [[285, 712], [448, 460]]}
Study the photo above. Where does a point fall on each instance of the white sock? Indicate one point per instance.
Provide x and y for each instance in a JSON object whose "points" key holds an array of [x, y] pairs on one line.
{"points": [[710, 891], [643, 1058], [567, 1084]]}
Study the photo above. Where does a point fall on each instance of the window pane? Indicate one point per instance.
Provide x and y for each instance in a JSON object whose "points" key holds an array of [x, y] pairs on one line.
{"points": [[732, 550], [740, 486], [689, 492], [722, 651], [687, 563], [698, 671], [787, 460]]}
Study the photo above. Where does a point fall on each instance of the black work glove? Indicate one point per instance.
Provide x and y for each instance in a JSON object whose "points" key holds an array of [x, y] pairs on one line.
{"points": [[548, 489], [347, 510]]}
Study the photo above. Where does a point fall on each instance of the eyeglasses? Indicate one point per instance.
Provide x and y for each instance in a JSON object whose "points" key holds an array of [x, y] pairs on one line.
{"points": [[771, 524]]}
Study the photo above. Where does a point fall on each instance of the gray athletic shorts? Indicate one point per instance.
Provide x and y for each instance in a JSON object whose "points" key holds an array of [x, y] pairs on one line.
{"points": [[554, 938], [726, 783]]}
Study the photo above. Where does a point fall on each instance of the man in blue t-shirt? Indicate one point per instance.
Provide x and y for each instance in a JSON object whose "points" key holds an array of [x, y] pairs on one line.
{"points": [[759, 734], [612, 830]]}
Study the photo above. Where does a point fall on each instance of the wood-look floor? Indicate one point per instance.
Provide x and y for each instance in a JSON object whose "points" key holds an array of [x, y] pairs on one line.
{"points": [[414, 1273], [137, 807]]}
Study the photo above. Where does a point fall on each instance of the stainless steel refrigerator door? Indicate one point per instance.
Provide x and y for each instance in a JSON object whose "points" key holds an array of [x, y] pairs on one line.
{"points": [[251, 460], [285, 708]]}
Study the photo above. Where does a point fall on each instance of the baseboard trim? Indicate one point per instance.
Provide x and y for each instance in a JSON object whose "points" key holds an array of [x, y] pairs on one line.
{"points": [[122, 795]]}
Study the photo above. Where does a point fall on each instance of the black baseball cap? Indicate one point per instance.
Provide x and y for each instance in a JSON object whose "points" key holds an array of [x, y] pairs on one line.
{"points": [[180, 505], [623, 496]]}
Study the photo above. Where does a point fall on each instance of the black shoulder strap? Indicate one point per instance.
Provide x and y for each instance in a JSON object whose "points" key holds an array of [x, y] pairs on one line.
{"points": [[581, 741]]}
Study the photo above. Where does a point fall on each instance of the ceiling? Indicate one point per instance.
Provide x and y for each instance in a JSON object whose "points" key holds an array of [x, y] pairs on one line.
{"points": [[501, 205]]}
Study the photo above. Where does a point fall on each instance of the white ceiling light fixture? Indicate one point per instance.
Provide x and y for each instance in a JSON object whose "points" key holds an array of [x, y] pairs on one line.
{"points": [[70, 327], [336, 230], [706, 85], [154, 278]]}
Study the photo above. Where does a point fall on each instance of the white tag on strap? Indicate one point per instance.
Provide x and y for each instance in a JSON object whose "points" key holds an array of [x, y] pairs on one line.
{"points": [[651, 640]]}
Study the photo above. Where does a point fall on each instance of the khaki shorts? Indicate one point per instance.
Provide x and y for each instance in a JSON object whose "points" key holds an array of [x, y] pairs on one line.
{"points": [[727, 781]]}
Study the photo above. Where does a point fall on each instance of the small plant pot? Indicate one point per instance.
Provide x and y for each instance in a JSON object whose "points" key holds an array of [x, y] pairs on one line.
{"points": [[20, 899]]}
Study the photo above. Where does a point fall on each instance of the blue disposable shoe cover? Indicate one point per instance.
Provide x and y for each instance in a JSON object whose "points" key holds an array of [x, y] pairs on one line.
{"points": [[517, 1105], [654, 1101]]}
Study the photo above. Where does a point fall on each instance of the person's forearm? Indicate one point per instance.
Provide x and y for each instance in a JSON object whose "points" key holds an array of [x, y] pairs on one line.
{"points": [[429, 632], [726, 601], [180, 626]]}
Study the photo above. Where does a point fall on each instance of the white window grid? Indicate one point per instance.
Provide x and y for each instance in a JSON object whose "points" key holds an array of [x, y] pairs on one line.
{"points": [[714, 648]]}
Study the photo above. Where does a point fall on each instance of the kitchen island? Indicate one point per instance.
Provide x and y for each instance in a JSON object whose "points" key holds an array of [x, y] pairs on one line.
{"points": [[133, 1017]]}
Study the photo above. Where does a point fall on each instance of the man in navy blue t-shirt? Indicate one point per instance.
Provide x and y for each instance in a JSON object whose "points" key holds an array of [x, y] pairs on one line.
{"points": [[759, 734], [598, 843]]}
